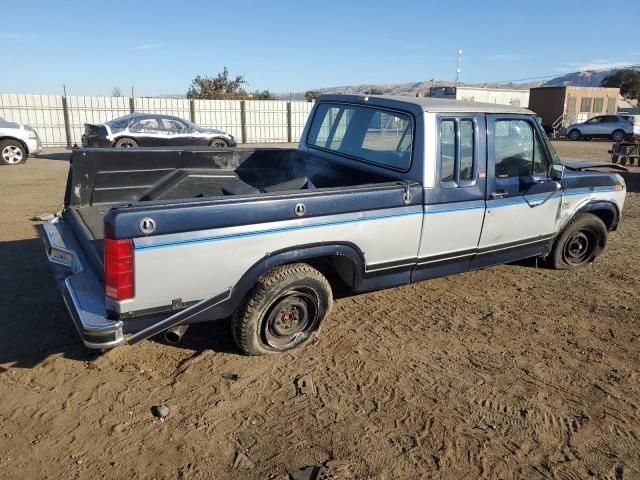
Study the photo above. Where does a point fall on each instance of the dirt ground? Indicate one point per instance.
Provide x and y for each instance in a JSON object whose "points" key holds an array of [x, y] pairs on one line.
{"points": [[514, 371]]}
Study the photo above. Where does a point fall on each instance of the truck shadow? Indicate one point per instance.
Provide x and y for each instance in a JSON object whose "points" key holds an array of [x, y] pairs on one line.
{"points": [[33, 319]]}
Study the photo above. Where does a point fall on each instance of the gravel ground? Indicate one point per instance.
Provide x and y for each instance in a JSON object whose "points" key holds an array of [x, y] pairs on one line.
{"points": [[510, 372]]}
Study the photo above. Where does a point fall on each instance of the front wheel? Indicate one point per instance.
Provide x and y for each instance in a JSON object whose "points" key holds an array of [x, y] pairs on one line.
{"points": [[219, 142], [285, 307], [582, 240], [618, 136], [575, 134], [12, 153]]}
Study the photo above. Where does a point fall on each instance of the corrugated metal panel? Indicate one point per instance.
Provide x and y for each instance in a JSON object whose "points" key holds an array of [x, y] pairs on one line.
{"points": [[93, 110], [42, 112], [299, 114], [266, 121], [222, 114], [178, 107]]}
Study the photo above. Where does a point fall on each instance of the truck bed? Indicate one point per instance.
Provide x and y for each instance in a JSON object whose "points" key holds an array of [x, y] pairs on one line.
{"points": [[102, 178]]}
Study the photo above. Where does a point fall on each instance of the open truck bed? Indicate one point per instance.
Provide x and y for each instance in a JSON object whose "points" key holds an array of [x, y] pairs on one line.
{"points": [[187, 192]]}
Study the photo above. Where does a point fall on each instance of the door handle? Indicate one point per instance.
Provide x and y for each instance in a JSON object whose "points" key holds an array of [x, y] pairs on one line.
{"points": [[498, 194]]}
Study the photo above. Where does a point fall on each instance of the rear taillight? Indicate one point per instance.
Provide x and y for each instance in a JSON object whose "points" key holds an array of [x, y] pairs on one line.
{"points": [[118, 269]]}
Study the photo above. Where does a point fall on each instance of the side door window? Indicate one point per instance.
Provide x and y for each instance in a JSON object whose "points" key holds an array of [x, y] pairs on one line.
{"points": [[519, 157], [149, 125]]}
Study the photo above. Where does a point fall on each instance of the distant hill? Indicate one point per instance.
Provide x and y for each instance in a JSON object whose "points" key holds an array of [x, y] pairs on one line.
{"points": [[586, 78], [408, 88]]}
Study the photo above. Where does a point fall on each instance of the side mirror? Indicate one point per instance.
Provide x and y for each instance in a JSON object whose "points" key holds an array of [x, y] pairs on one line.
{"points": [[556, 171]]}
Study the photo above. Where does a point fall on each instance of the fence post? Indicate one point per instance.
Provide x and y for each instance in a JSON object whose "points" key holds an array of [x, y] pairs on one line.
{"points": [[192, 110], [65, 115], [132, 105], [289, 126], [243, 121]]}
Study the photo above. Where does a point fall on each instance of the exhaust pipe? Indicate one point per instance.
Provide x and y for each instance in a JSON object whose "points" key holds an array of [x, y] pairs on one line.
{"points": [[174, 334]]}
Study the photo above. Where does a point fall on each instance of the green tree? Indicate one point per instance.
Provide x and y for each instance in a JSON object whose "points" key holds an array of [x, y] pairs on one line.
{"points": [[220, 87], [262, 95], [374, 91], [627, 79], [311, 95]]}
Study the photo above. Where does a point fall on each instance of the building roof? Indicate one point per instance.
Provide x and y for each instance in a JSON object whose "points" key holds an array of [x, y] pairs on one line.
{"points": [[426, 104]]}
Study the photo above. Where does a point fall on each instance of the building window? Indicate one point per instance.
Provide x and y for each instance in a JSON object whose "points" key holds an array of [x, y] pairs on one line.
{"points": [[611, 105], [598, 103], [585, 105]]}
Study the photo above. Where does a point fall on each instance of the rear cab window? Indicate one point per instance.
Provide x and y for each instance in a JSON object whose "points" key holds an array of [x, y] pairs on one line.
{"points": [[369, 134], [458, 163]]}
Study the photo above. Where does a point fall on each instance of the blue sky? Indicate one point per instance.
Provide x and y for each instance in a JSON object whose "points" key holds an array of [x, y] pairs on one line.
{"points": [[159, 46]]}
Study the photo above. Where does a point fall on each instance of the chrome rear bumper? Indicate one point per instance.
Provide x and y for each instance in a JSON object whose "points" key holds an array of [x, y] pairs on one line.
{"points": [[81, 289]]}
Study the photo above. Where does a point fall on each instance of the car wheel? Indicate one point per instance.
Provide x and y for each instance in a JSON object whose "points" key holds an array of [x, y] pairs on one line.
{"points": [[581, 241], [12, 152], [282, 311], [574, 134], [219, 142], [126, 143], [618, 136]]}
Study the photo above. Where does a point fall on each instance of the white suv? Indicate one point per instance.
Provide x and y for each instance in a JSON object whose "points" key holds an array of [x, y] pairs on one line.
{"points": [[17, 141]]}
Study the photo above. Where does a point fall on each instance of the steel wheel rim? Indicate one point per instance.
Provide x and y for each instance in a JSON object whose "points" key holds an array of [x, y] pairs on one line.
{"points": [[12, 154], [580, 247], [290, 318]]}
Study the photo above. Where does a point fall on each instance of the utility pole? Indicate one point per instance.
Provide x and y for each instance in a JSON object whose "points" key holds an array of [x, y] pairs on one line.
{"points": [[458, 66]]}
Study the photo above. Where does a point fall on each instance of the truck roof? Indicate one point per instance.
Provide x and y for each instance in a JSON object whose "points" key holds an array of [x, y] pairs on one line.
{"points": [[426, 104]]}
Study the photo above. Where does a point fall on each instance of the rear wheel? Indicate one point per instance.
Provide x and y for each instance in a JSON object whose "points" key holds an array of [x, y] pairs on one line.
{"points": [[126, 143], [582, 240], [12, 152], [285, 307], [575, 134], [219, 142], [618, 136]]}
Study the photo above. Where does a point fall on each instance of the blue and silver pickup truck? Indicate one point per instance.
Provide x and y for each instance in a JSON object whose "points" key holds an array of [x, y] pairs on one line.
{"points": [[382, 191]]}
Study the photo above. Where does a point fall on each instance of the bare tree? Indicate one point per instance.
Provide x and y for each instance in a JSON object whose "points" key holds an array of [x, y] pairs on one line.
{"points": [[116, 92]]}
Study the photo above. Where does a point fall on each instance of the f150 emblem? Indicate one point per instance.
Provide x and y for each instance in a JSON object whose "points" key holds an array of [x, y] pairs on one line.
{"points": [[299, 209], [147, 226]]}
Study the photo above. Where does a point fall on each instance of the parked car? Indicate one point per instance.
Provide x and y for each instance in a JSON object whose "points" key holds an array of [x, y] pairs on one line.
{"points": [[17, 142], [381, 191], [615, 127], [149, 130]]}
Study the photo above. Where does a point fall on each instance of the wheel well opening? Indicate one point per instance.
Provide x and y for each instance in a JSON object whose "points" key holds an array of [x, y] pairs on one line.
{"points": [[24, 145], [340, 271], [607, 216]]}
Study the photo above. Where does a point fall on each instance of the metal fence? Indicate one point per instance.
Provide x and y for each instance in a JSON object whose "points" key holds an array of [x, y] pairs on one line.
{"points": [[60, 121]]}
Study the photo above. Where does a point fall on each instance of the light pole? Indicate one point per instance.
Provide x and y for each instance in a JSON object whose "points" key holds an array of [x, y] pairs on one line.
{"points": [[458, 65]]}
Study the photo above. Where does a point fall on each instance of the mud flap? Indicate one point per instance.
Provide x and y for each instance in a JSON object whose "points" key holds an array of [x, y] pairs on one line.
{"points": [[182, 316]]}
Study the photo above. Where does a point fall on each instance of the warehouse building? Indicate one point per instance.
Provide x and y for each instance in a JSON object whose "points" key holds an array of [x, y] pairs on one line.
{"points": [[562, 106], [501, 96]]}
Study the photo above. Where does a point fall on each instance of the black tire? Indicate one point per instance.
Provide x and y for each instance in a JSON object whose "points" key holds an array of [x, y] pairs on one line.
{"points": [[575, 134], [126, 142], [12, 152], [581, 241], [618, 136], [282, 311], [219, 142]]}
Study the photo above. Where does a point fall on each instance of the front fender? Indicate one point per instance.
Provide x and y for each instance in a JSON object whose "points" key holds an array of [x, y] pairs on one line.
{"points": [[611, 221]]}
